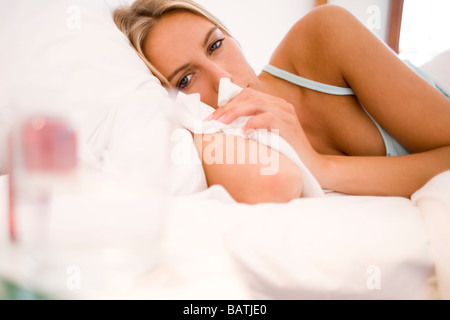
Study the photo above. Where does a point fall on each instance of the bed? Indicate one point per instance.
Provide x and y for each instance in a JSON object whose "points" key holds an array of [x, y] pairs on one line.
{"points": [[142, 224]]}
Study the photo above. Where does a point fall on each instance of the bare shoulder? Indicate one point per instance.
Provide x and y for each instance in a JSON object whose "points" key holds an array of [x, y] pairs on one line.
{"points": [[321, 18], [305, 48]]}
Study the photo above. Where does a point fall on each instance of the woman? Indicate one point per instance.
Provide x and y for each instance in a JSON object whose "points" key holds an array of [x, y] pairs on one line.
{"points": [[361, 120]]}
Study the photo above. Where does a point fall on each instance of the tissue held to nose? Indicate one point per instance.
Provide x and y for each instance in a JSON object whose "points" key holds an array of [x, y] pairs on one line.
{"points": [[197, 118]]}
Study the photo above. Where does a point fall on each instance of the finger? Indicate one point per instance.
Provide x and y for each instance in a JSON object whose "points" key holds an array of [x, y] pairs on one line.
{"points": [[247, 103], [263, 121], [219, 113], [253, 102]]}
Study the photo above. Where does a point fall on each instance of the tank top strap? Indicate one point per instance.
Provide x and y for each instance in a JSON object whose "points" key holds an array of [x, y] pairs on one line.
{"points": [[310, 84]]}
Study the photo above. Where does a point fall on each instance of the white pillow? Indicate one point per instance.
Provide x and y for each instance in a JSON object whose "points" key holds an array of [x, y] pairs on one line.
{"points": [[68, 57]]}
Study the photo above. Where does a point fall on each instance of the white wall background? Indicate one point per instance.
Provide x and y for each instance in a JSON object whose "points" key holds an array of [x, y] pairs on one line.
{"points": [[425, 29], [259, 25]]}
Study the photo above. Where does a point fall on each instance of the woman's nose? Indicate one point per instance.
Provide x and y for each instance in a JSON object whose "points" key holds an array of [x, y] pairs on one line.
{"points": [[217, 73]]}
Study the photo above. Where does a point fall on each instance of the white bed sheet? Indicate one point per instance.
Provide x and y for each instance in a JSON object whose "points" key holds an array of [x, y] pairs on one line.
{"points": [[337, 247]]}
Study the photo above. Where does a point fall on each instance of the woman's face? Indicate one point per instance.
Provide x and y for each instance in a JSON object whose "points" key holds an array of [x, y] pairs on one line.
{"points": [[194, 54]]}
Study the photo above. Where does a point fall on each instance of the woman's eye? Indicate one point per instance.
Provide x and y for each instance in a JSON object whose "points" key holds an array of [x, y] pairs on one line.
{"points": [[216, 45], [184, 82]]}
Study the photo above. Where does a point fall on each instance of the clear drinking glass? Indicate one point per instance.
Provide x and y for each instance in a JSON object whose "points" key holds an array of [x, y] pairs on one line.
{"points": [[81, 233]]}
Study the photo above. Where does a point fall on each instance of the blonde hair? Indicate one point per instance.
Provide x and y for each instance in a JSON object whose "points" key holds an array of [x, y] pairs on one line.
{"points": [[137, 20]]}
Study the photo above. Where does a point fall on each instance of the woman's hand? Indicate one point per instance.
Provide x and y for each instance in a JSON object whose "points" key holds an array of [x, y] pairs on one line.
{"points": [[271, 113]]}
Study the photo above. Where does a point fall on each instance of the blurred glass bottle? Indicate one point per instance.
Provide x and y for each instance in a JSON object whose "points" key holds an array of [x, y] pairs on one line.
{"points": [[42, 159]]}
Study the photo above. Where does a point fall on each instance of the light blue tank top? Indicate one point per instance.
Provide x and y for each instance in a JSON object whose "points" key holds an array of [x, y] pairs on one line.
{"points": [[393, 147]]}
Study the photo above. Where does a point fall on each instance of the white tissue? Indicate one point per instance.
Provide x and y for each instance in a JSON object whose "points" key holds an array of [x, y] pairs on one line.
{"points": [[227, 91], [191, 113]]}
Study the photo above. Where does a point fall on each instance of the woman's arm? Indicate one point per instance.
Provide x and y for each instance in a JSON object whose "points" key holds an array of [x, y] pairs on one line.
{"points": [[251, 172], [330, 41], [381, 176], [414, 112], [403, 103]]}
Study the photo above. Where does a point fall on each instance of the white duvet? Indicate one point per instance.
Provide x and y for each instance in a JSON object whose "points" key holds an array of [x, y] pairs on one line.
{"points": [[337, 247], [209, 247]]}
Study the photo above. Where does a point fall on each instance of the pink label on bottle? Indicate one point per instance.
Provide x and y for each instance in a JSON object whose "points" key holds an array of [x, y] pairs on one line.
{"points": [[43, 146], [48, 145]]}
